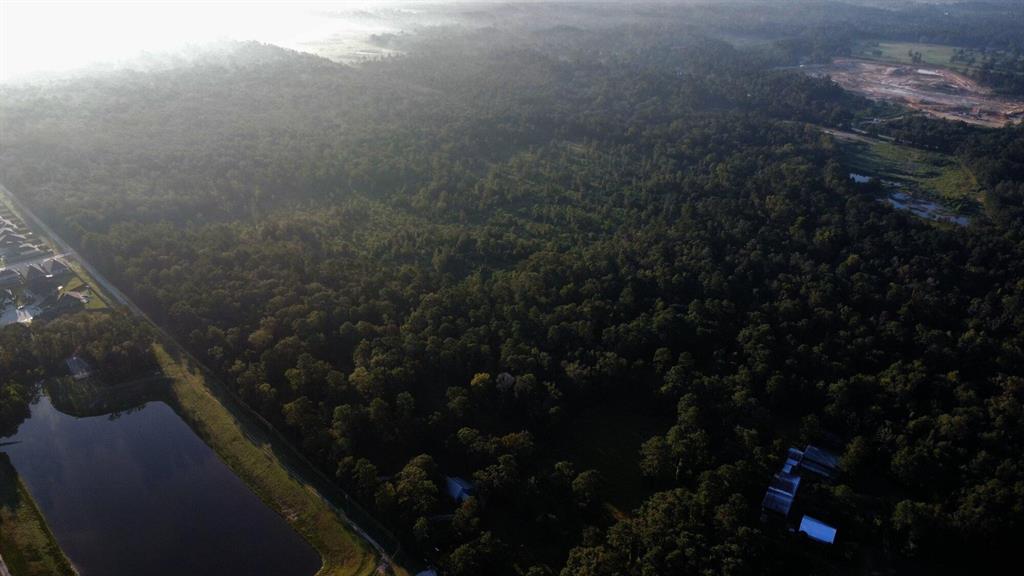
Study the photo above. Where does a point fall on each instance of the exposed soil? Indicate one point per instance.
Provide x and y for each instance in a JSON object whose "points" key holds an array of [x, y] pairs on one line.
{"points": [[936, 91]]}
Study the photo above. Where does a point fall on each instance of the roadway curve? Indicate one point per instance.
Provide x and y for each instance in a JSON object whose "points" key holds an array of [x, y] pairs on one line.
{"points": [[123, 299]]}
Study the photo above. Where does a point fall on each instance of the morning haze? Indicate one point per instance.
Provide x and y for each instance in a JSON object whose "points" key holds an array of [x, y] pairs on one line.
{"points": [[511, 288]]}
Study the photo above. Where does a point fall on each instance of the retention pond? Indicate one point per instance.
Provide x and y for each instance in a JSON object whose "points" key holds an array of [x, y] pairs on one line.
{"points": [[137, 492]]}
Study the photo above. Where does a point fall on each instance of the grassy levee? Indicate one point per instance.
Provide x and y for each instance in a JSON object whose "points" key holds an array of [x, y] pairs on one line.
{"points": [[26, 543], [262, 463]]}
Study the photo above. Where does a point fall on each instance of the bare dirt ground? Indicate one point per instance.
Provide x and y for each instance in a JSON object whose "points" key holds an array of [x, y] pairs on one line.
{"points": [[936, 91]]}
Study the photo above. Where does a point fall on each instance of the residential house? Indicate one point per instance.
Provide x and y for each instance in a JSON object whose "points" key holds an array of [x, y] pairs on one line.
{"points": [[17, 253], [57, 269], [54, 306], [37, 279], [11, 239], [9, 278]]}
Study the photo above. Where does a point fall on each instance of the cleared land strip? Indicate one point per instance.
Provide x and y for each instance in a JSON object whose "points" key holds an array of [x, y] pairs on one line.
{"points": [[267, 463]]}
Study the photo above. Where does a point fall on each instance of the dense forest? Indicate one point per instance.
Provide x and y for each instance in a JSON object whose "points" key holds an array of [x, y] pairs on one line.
{"points": [[608, 275]]}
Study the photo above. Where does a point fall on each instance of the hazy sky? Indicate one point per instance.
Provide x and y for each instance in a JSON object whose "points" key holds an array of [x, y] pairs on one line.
{"points": [[57, 36]]}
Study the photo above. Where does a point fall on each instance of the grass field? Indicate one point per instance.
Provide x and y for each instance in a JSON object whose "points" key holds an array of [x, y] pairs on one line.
{"points": [[254, 460], [26, 543], [937, 55], [938, 175], [899, 52]]}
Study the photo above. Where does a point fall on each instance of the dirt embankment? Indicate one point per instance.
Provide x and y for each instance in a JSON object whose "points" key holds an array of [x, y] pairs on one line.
{"points": [[936, 91]]}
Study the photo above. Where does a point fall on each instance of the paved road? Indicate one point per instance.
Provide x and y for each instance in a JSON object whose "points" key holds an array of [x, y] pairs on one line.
{"points": [[123, 299], [3, 568]]}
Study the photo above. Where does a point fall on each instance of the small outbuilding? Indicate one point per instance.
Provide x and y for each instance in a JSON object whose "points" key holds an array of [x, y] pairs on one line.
{"points": [[78, 368], [817, 530], [458, 488]]}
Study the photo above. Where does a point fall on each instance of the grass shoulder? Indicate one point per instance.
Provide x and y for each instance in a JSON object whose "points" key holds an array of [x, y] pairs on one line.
{"points": [[26, 543], [253, 459]]}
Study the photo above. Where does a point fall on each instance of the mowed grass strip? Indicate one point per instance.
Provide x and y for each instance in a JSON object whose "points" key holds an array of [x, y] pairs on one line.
{"points": [[342, 551], [26, 543]]}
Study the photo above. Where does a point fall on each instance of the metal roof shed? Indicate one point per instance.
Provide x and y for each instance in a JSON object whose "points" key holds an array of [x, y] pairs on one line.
{"points": [[817, 530], [820, 462], [780, 494], [458, 488]]}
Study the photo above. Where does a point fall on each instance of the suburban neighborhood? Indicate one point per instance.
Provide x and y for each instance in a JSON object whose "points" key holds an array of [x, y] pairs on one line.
{"points": [[17, 242], [34, 282]]}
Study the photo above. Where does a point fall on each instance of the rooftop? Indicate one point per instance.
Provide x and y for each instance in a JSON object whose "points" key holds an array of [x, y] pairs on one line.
{"points": [[458, 488], [817, 530]]}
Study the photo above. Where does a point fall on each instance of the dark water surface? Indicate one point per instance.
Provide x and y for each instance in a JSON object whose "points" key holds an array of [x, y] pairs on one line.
{"points": [[141, 494]]}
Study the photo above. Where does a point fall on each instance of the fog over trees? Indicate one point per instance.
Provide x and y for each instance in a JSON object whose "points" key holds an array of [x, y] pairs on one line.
{"points": [[601, 262]]}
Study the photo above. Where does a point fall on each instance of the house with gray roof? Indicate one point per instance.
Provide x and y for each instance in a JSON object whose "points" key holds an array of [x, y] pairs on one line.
{"points": [[9, 278]]}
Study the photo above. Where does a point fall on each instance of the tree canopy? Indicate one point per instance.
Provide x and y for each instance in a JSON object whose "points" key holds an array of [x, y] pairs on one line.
{"points": [[608, 276]]}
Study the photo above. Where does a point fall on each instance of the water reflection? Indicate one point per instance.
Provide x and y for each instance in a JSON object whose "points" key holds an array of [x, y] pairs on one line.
{"points": [[140, 493]]}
